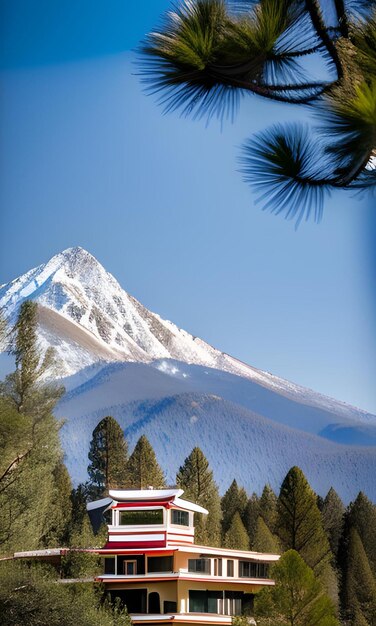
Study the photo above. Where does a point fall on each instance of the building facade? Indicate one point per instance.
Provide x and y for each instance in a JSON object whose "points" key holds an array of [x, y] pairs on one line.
{"points": [[152, 564]]}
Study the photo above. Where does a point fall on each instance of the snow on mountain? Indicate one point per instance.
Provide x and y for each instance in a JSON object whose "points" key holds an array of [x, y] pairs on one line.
{"points": [[155, 378], [237, 442], [90, 319]]}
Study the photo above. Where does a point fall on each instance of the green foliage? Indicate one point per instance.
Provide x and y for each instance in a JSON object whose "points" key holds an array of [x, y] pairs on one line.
{"points": [[26, 387], [264, 540], [29, 442], [297, 599], [61, 509], [358, 583], [268, 507], [234, 500], [196, 478], [108, 456], [143, 469], [208, 54], [31, 595], [251, 514], [332, 514], [236, 537], [362, 516], [299, 521]]}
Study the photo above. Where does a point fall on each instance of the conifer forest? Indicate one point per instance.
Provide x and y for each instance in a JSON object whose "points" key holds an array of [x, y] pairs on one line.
{"points": [[325, 576]]}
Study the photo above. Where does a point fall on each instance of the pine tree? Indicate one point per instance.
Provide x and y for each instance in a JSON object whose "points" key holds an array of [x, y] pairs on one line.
{"points": [[332, 514], [358, 584], [196, 478], [362, 515], [26, 387], [108, 456], [143, 469], [236, 537], [32, 452], [268, 507], [299, 521], [234, 500], [297, 599], [264, 540], [60, 516], [251, 514]]}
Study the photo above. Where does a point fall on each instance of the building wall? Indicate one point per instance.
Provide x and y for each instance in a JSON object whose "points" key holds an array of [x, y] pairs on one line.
{"points": [[167, 590]]}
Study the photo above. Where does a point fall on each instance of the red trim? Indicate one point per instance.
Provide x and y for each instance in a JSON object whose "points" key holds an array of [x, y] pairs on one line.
{"points": [[225, 581], [134, 532], [124, 505], [134, 544], [169, 532], [104, 551]]}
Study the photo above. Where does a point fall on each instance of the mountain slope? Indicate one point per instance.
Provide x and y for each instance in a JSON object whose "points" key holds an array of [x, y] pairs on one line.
{"points": [[237, 442], [121, 359]]}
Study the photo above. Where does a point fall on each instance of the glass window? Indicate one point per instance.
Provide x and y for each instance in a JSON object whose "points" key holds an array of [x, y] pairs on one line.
{"points": [[141, 518], [109, 565], [169, 606], [160, 564], [180, 517], [230, 568], [199, 566], [247, 569]]}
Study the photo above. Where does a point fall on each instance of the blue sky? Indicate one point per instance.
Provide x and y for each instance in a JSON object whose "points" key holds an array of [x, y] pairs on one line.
{"points": [[86, 158]]}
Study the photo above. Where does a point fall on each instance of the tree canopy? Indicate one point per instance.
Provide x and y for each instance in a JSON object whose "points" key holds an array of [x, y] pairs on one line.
{"points": [[108, 456], [297, 599], [196, 478]]}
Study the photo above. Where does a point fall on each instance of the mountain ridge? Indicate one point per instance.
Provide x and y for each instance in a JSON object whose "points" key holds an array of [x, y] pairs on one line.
{"points": [[122, 359]]}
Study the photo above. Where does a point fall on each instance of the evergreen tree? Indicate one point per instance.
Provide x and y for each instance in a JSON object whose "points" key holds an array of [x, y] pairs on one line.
{"points": [[236, 537], [358, 584], [31, 453], [196, 478], [264, 540], [61, 511], [297, 599], [79, 498], [299, 521], [26, 387], [234, 500], [332, 514], [268, 507], [362, 515], [251, 514], [108, 456], [143, 469]]}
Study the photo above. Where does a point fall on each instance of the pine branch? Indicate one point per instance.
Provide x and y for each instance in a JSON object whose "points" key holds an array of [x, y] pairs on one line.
{"points": [[12, 466], [314, 11]]}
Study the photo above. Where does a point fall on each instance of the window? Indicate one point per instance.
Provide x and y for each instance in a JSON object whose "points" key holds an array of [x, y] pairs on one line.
{"points": [[169, 606], [217, 602], [204, 601], [141, 518], [160, 564], [109, 565], [247, 569], [199, 566], [230, 568], [130, 568], [180, 517], [217, 567]]}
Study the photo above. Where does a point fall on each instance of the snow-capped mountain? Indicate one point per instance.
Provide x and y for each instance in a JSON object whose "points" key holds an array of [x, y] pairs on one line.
{"points": [[119, 358]]}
